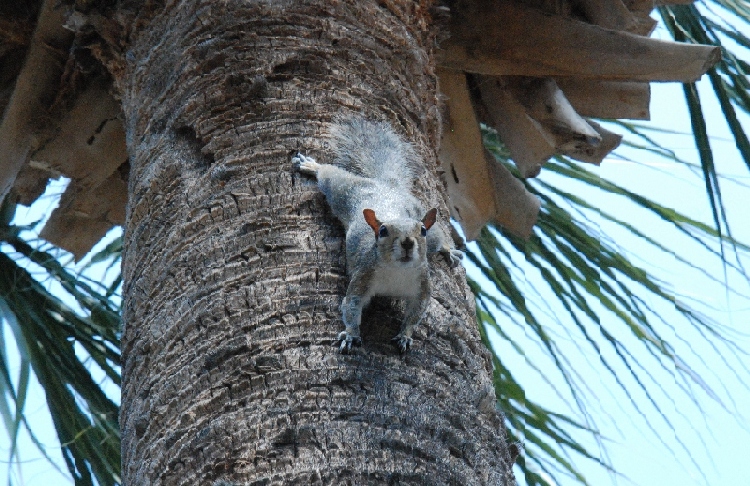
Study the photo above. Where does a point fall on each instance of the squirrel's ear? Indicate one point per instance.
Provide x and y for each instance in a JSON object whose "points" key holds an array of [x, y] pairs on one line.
{"points": [[372, 220], [429, 218]]}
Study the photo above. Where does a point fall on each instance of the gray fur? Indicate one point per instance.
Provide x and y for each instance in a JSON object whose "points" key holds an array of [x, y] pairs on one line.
{"points": [[373, 150], [374, 168]]}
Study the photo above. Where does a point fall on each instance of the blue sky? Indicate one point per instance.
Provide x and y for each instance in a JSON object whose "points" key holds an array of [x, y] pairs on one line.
{"points": [[715, 440], [707, 440]]}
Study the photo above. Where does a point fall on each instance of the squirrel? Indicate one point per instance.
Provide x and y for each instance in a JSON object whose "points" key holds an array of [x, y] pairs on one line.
{"points": [[388, 232]]}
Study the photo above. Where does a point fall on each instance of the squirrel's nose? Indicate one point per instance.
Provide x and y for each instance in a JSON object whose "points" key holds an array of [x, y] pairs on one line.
{"points": [[407, 244]]}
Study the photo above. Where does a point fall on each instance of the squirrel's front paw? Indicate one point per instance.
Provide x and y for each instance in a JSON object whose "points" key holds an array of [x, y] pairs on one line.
{"points": [[454, 257], [346, 341], [305, 164], [403, 343]]}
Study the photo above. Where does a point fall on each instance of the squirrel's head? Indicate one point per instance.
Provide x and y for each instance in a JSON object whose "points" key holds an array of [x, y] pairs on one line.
{"points": [[401, 242]]}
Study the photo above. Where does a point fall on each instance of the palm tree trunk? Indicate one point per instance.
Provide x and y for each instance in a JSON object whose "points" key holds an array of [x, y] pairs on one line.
{"points": [[234, 266]]}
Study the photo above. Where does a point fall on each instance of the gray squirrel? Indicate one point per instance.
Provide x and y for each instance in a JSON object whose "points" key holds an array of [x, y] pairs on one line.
{"points": [[388, 232]]}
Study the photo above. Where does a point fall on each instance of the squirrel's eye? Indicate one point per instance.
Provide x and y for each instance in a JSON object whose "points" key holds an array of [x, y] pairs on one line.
{"points": [[383, 232], [424, 231]]}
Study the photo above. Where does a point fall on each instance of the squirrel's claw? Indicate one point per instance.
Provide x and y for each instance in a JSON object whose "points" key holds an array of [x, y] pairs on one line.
{"points": [[346, 341], [305, 164], [403, 343], [453, 257]]}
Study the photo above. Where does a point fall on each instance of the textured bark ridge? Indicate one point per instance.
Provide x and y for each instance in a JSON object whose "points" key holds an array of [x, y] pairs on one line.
{"points": [[234, 266]]}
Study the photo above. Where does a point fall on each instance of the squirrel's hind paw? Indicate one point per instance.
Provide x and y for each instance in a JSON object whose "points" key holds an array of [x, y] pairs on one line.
{"points": [[403, 343], [346, 341]]}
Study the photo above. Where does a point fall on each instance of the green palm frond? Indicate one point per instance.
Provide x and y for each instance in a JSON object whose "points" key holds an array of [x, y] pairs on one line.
{"points": [[600, 295], [729, 80], [66, 331], [599, 289]]}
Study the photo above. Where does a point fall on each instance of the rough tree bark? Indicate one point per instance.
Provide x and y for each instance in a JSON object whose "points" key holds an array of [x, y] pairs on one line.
{"points": [[234, 266]]}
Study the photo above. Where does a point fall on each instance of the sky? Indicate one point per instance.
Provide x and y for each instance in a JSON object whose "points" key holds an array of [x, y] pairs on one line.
{"points": [[716, 438], [707, 443]]}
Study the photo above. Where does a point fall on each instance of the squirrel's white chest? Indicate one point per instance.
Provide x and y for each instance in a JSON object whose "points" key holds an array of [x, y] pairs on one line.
{"points": [[396, 282]]}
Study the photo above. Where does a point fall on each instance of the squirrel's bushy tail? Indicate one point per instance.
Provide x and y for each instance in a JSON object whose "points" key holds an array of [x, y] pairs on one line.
{"points": [[372, 149]]}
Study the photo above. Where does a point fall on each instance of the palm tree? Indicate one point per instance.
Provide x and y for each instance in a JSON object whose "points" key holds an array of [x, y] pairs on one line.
{"points": [[233, 270]]}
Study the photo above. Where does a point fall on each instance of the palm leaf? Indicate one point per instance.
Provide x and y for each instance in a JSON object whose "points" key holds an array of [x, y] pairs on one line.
{"points": [[592, 279], [58, 338], [581, 268]]}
